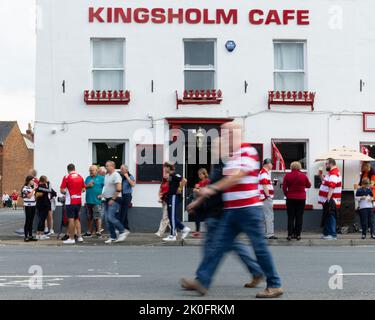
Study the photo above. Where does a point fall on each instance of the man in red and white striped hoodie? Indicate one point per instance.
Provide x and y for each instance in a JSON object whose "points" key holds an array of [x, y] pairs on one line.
{"points": [[242, 214], [266, 195], [330, 197]]}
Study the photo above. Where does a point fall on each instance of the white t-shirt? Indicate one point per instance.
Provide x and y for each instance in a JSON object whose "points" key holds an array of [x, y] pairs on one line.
{"points": [[110, 182], [26, 201]]}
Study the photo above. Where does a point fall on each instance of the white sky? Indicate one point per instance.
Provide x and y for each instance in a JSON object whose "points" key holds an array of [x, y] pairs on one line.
{"points": [[17, 61]]}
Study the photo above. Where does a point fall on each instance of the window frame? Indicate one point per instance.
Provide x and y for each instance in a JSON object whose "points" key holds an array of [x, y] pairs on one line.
{"points": [[123, 69], [200, 68], [93, 141], [306, 141], [299, 71]]}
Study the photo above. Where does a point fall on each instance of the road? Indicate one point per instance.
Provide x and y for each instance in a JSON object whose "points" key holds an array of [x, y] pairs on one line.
{"points": [[153, 272]]}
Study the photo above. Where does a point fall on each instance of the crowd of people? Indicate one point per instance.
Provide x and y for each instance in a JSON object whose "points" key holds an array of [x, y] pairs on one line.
{"points": [[107, 193], [236, 197]]}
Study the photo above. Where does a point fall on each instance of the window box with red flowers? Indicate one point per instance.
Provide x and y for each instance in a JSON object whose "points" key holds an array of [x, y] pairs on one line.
{"points": [[199, 97], [291, 98], [110, 97]]}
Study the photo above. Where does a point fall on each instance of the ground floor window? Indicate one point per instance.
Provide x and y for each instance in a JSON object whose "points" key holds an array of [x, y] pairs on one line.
{"points": [[103, 151], [150, 163], [290, 150], [369, 149]]}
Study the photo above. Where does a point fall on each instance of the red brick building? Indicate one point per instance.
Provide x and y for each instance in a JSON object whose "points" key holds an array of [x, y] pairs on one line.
{"points": [[16, 156]]}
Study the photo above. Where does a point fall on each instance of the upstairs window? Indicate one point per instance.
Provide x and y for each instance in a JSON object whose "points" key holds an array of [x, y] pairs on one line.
{"points": [[108, 71], [289, 66], [200, 64]]}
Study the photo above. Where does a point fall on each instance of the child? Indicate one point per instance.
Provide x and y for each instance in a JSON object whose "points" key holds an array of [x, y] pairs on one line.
{"points": [[365, 197]]}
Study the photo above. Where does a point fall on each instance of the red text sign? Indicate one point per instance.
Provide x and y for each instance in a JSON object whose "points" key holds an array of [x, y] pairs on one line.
{"points": [[195, 16]]}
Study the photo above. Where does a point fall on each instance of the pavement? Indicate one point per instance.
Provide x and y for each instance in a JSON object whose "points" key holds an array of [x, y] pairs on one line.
{"points": [[148, 273], [11, 220], [145, 268]]}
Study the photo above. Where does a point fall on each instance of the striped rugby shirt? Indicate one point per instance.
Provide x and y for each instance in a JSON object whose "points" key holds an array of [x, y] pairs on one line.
{"points": [[26, 190], [331, 180], [246, 192], [265, 180]]}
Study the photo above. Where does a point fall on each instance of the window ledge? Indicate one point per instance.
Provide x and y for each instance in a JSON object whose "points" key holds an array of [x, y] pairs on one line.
{"points": [[283, 207], [292, 98], [200, 97], [110, 97]]}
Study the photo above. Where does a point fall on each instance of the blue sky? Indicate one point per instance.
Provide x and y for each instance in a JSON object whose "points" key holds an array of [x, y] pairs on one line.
{"points": [[17, 60]]}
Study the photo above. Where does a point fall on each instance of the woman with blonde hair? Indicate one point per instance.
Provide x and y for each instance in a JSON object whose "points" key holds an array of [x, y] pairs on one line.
{"points": [[204, 181], [294, 187]]}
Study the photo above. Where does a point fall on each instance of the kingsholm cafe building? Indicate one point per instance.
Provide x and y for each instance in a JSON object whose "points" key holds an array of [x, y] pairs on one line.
{"points": [[114, 77]]}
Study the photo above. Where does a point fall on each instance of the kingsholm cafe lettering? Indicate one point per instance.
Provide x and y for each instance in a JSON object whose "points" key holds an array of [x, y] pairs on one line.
{"points": [[196, 16]]}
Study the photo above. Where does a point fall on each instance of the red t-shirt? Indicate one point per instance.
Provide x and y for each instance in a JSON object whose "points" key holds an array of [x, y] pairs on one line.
{"points": [[73, 183], [36, 182], [203, 183], [164, 188], [14, 196]]}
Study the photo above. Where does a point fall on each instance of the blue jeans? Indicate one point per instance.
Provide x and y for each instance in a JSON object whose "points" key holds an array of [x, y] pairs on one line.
{"points": [[242, 250], [247, 220], [367, 220], [124, 209], [111, 218], [330, 226]]}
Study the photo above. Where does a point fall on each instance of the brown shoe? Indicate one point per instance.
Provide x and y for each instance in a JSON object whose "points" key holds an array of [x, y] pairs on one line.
{"points": [[270, 293], [192, 284], [254, 283]]}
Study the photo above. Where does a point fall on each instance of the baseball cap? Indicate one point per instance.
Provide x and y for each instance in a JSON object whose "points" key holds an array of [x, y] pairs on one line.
{"points": [[267, 161]]}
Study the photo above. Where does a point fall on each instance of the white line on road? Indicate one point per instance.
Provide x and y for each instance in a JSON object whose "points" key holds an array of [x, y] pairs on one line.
{"points": [[356, 274], [76, 276]]}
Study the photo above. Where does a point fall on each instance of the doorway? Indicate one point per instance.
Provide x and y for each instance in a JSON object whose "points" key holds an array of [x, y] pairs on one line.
{"points": [[197, 153]]}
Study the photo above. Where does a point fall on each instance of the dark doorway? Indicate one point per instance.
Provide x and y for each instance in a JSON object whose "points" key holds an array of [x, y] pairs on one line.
{"points": [[195, 158]]}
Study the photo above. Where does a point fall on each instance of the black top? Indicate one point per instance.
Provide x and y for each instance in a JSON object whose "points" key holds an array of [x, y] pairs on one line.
{"points": [[43, 202], [174, 183], [213, 206]]}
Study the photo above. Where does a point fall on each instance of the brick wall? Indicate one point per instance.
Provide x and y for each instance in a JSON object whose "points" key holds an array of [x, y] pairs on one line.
{"points": [[16, 161]]}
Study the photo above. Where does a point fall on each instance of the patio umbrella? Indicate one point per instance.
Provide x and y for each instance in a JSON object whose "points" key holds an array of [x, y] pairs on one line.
{"points": [[343, 154]]}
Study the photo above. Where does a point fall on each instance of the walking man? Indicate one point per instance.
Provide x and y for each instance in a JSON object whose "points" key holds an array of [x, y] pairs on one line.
{"points": [[14, 196], [72, 187], [112, 199], [330, 199], [176, 184], [128, 183], [266, 195], [242, 214], [94, 188]]}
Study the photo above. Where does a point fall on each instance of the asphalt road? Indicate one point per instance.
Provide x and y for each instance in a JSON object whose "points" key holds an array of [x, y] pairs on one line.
{"points": [[153, 273]]}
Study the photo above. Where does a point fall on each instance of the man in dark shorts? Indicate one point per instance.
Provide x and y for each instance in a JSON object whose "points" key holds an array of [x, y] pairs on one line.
{"points": [[72, 186], [94, 187]]}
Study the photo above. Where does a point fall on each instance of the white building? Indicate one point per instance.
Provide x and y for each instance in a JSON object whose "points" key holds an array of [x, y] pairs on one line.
{"points": [[153, 49]]}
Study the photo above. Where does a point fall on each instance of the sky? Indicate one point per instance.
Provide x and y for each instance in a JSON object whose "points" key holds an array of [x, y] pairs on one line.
{"points": [[17, 61]]}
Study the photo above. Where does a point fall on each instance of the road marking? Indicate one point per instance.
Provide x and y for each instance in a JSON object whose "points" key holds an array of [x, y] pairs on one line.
{"points": [[76, 276], [357, 274]]}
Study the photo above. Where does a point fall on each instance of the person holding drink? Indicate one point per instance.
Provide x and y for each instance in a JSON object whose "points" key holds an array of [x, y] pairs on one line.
{"points": [[94, 187]]}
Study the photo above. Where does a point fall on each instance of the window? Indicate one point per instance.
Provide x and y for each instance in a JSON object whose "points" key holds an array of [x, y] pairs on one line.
{"points": [[150, 164], [291, 151], [108, 64], [289, 64], [104, 151], [259, 148], [199, 64], [370, 150]]}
